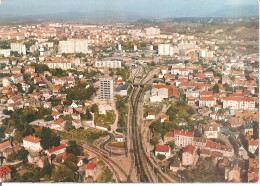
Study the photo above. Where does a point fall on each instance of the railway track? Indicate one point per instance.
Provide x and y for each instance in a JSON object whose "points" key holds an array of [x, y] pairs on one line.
{"points": [[146, 168], [111, 163]]}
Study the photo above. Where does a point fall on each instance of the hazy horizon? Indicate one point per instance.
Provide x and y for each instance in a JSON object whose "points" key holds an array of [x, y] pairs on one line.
{"points": [[130, 8]]}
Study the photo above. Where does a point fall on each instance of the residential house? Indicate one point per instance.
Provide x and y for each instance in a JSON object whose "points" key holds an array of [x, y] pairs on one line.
{"points": [[56, 150], [91, 170], [4, 148], [120, 138], [150, 115], [169, 136], [164, 150], [215, 147], [199, 142], [210, 130], [175, 164], [232, 174], [5, 174], [32, 143], [236, 122], [164, 118], [253, 171], [253, 145], [58, 124], [17, 78], [188, 155]]}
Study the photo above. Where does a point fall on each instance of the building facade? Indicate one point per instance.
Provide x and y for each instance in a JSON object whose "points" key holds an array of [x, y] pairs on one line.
{"points": [[106, 89]]}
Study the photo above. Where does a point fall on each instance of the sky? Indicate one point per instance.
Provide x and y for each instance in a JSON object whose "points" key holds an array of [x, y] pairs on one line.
{"points": [[141, 8]]}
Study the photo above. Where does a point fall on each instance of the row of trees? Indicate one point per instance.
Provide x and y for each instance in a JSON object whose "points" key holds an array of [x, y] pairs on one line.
{"points": [[121, 106]]}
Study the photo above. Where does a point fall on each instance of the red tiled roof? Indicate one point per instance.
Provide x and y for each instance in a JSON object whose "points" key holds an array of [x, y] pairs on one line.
{"points": [[190, 149], [54, 149], [91, 166], [213, 145], [4, 170], [59, 121], [162, 148], [253, 142], [169, 134], [17, 75], [5, 144], [207, 99], [201, 75], [184, 133], [32, 139], [172, 91], [236, 95], [238, 99]]}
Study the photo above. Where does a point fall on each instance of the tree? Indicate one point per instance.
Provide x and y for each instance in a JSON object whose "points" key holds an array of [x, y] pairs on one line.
{"points": [[68, 126], [88, 115], [155, 140], [197, 133], [53, 156], [48, 118], [215, 88], [161, 156], [255, 130], [40, 68], [171, 144], [18, 136], [62, 173], [106, 176], [36, 177], [7, 112], [2, 160], [22, 154], [45, 137], [46, 168], [55, 140], [74, 148], [12, 156], [94, 108]]}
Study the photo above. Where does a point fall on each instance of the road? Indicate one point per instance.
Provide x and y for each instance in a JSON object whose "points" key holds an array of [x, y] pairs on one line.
{"points": [[50, 85], [103, 146]]}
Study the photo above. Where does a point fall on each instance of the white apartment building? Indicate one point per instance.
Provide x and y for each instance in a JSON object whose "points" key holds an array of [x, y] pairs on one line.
{"points": [[183, 138], [165, 50], [18, 47], [106, 89], [239, 103], [151, 31], [64, 65], [181, 71], [74, 46], [5, 52], [205, 53], [109, 64], [207, 102]]}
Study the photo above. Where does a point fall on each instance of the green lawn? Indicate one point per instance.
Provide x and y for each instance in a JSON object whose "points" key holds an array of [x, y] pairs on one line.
{"points": [[106, 176], [117, 144], [105, 119], [81, 135]]}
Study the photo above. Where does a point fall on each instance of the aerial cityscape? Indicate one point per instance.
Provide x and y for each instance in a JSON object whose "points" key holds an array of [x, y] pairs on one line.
{"points": [[129, 91]]}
